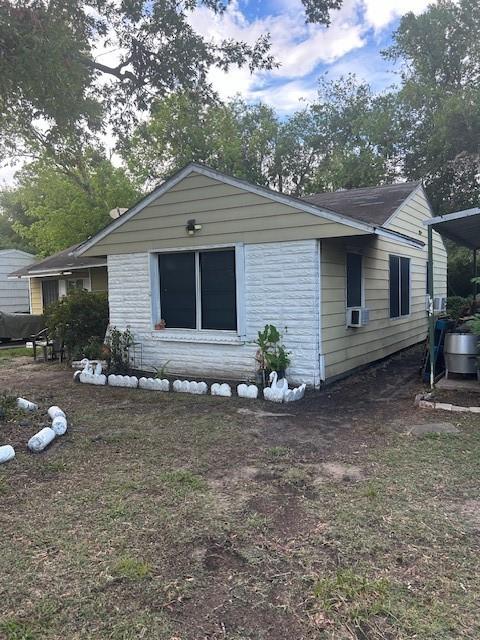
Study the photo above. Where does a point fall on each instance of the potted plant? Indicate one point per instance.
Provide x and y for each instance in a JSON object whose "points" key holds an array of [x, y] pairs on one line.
{"points": [[271, 354]]}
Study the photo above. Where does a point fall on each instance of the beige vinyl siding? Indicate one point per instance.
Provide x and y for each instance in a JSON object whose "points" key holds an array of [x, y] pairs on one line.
{"points": [[228, 215], [347, 348], [409, 221], [36, 302], [99, 279]]}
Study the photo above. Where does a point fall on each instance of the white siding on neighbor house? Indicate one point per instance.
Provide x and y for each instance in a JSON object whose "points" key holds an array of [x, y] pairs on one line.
{"points": [[14, 294], [281, 286]]}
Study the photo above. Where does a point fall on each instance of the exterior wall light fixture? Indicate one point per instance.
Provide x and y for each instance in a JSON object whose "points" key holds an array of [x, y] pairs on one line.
{"points": [[192, 227]]}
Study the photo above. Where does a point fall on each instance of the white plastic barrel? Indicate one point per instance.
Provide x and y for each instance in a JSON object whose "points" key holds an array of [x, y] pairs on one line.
{"points": [[59, 425], [7, 452], [40, 440], [26, 404]]}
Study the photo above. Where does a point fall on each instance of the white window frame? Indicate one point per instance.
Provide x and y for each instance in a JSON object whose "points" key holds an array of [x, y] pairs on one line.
{"points": [[239, 281], [362, 279], [407, 315]]}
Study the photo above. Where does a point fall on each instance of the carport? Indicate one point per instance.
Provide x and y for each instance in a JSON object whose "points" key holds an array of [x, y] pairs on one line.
{"points": [[463, 228]]}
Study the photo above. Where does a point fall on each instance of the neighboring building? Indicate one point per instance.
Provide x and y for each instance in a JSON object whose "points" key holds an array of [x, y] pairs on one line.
{"points": [[217, 258], [53, 277], [14, 296]]}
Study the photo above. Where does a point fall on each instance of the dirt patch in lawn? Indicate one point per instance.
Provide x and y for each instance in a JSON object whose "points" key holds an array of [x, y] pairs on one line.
{"points": [[169, 516]]}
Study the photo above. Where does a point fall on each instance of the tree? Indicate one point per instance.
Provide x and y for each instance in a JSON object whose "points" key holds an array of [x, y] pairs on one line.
{"points": [[51, 210], [55, 86], [358, 138], [440, 101]]}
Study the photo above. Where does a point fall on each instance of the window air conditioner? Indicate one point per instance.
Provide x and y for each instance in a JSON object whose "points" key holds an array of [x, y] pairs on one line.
{"points": [[357, 317], [439, 304]]}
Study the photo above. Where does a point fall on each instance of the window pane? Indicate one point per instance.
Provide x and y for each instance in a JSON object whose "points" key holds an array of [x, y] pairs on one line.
{"points": [[394, 287], [354, 280], [219, 296], [177, 289], [49, 292], [405, 285]]}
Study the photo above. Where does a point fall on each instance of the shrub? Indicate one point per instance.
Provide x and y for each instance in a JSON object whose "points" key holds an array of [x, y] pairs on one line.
{"points": [[457, 307], [118, 343], [80, 320]]}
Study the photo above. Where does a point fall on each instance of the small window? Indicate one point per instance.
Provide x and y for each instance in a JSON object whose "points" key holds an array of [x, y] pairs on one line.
{"points": [[76, 284], [198, 290], [354, 280], [399, 286]]}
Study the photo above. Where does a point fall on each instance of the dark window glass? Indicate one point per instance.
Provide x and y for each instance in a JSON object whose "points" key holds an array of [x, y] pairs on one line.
{"points": [[394, 287], [354, 280], [177, 289], [405, 285], [218, 290], [49, 292]]}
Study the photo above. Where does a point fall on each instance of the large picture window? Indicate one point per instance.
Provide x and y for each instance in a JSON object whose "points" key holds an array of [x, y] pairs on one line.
{"points": [[198, 290], [399, 286], [354, 280]]}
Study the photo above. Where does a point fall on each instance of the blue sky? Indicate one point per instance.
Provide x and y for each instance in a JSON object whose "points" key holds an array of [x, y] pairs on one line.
{"points": [[352, 44]]}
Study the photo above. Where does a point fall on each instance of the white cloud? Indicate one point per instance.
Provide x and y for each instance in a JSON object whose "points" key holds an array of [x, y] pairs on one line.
{"points": [[380, 13]]}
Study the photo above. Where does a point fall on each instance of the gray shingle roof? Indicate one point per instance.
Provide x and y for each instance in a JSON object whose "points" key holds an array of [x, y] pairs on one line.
{"points": [[61, 261], [374, 205]]}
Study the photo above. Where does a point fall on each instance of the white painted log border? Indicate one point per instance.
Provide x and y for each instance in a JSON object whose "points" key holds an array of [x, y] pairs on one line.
{"points": [[443, 406]]}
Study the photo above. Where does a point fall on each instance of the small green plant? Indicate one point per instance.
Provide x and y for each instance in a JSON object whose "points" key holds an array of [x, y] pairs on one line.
{"points": [[474, 325], [271, 354], [161, 372], [132, 568], [119, 343]]}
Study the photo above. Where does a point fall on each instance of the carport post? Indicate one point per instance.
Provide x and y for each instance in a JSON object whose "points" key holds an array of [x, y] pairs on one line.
{"points": [[431, 316], [475, 284]]}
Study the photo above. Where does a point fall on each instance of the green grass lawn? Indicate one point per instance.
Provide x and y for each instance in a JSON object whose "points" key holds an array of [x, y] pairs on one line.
{"points": [[166, 516], [15, 352]]}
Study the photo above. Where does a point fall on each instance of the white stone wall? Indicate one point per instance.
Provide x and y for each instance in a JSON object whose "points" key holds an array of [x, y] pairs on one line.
{"points": [[281, 287]]}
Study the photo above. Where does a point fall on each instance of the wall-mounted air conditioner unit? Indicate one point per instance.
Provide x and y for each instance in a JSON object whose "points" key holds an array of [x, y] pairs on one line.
{"points": [[439, 304], [357, 317]]}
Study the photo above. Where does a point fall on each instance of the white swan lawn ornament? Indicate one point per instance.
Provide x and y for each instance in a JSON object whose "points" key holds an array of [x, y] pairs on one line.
{"points": [[98, 369], [277, 389], [221, 390], [154, 384], [247, 391], [7, 452]]}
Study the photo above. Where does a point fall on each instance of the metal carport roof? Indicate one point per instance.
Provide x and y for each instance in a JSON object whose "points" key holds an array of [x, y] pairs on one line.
{"points": [[462, 227]]}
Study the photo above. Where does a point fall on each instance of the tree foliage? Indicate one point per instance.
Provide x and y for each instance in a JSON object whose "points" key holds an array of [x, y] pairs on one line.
{"points": [[68, 67], [439, 101], [51, 210]]}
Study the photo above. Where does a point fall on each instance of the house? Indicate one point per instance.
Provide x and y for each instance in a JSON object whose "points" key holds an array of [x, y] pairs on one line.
{"points": [[53, 277], [14, 297], [217, 258]]}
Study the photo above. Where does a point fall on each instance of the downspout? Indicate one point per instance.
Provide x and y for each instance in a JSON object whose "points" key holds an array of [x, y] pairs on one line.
{"points": [[431, 323]]}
